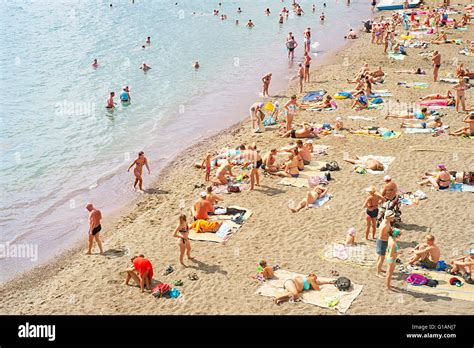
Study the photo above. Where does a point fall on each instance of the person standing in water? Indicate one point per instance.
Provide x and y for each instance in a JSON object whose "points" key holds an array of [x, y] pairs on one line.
{"points": [[94, 228], [145, 67], [291, 44], [138, 170], [110, 101], [94, 63], [125, 96], [266, 79]]}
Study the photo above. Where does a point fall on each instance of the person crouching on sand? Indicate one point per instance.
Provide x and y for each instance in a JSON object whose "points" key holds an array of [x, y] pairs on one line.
{"points": [[427, 253], [182, 232], [138, 170], [141, 272], [295, 286], [94, 228], [265, 270], [350, 237]]}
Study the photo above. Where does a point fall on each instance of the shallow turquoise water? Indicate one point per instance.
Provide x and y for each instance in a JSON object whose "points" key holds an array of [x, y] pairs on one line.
{"points": [[60, 148]]}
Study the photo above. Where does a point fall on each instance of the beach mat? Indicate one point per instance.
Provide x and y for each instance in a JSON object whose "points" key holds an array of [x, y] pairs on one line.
{"points": [[359, 254], [444, 289], [395, 135], [302, 180], [396, 56], [314, 96], [328, 293], [421, 130], [385, 160], [320, 201], [216, 237]]}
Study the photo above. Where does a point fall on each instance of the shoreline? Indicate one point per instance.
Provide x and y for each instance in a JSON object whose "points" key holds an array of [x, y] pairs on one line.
{"points": [[138, 221], [38, 272]]}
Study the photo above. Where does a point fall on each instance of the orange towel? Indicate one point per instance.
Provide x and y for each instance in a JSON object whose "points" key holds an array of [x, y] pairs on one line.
{"points": [[203, 226]]}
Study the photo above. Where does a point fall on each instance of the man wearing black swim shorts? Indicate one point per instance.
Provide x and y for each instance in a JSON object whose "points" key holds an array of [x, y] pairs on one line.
{"points": [[94, 228]]}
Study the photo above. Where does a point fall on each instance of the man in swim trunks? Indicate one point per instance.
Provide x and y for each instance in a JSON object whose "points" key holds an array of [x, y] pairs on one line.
{"points": [[381, 242], [465, 265], [110, 101], [427, 254], [389, 190], [252, 158], [302, 151], [306, 132], [307, 64], [436, 60], [269, 162], [291, 44], [371, 205], [301, 76], [250, 24], [202, 208], [94, 228]]}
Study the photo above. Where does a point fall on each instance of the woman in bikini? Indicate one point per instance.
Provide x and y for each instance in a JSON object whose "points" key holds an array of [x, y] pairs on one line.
{"points": [[290, 111], [291, 168], [371, 205], [266, 79], [436, 96], [295, 286], [391, 256], [182, 232], [225, 167], [138, 170], [311, 197], [369, 163]]}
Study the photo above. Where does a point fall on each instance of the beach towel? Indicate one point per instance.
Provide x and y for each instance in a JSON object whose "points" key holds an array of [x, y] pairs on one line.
{"points": [[314, 96], [467, 188], [320, 201], [379, 94], [203, 226], [365, 118], [422, 130], [360, 254], [443, 289], [396, 56], [385, 160], [302, 180], [328, 297], [226, 231], [435, 102], [418, 85], [386, 136], [325, 109], [449, 80], [343, 95]]}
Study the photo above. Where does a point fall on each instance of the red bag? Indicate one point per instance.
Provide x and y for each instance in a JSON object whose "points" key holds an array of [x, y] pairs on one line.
{"points": [[160, 290]]}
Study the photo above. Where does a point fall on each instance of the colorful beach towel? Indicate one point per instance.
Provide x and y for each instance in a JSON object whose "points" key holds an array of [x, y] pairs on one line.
{"points": [[385, 160], [328, 297], [365, 118], [418, 85], [422, 130], [227, 229], [396, 56], [386, 136], [443, 289], [320, 201], [360, 254]]}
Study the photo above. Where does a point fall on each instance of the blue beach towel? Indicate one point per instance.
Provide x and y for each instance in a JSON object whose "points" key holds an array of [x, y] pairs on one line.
{"points": [[314, 96]]}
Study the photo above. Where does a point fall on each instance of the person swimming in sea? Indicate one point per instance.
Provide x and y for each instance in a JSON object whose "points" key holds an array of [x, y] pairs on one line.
{"points": [[94, 63], [148, 40], [145, 67], [196, 65], [322, 17]]}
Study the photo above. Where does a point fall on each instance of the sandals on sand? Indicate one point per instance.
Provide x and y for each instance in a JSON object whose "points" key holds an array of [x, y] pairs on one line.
{"points": [[178, 283], [193, 276], [334, 273], [168, 270]]}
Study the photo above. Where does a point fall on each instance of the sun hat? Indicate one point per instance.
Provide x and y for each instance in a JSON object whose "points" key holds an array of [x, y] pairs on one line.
{"points": [[387, 178], [338, 118], [396, 232], [441, 166], [203, 194], [370, 189]]}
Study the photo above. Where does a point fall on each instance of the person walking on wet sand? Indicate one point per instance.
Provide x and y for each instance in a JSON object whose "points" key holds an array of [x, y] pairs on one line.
{"points": [[266, 79], [94, 228], [138, 170]]}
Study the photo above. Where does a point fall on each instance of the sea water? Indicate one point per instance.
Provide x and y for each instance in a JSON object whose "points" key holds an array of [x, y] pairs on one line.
{"points": [[60, 148]]}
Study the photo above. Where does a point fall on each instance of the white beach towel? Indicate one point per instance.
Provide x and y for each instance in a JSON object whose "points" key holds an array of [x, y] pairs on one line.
{"points": [[323, 298], [320, 201]]}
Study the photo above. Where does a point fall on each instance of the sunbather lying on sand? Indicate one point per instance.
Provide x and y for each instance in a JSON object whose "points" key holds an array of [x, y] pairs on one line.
{"points": [[441, 38], [372, 130], [311, 197], [469, 130], [427, 254], [465, 266], [417, 71], [424, 114], [324, 104], [297, 285], [436, 123], [224, 168], [448, 95], [440, 180], [306, 132], [369, 163]]}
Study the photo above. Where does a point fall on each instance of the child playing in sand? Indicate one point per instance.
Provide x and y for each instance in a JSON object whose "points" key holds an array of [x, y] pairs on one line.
{"points": [[350, 236], [339, 124], [207, 163], [265, 270]]}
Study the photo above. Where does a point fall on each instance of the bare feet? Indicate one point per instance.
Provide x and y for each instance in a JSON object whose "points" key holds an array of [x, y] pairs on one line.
{"points": [[88, 253], [379, 275]]}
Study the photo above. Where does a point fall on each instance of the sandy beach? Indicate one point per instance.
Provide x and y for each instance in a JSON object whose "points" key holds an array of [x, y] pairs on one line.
{"points": [[78, 284]]}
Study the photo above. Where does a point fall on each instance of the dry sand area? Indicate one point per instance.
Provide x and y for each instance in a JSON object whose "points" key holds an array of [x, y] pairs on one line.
{"points": [[79, 284]]}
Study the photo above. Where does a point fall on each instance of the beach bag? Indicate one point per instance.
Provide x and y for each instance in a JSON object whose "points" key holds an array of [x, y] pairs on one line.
{"points": [[332, 166], [343, 283], [160, 290], [455, 281], [441, 266], [416, 279], [234, 189], [313, 181], [239, 219]]}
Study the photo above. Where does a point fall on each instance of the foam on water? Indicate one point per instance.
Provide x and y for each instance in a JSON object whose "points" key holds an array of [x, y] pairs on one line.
{"points": [[60, 147]]}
